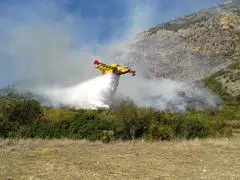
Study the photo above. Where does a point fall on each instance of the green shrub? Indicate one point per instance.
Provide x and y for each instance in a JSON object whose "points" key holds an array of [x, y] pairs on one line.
{"points": [[159, 132], [131, 122], [25, 112], [88, 127], [23, 119], [5, 127], [60, 128], [193, 128], [107, 135]]}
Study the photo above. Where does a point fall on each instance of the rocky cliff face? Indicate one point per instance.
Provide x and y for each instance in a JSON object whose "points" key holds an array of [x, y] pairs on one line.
{"points": [[193, 47]]}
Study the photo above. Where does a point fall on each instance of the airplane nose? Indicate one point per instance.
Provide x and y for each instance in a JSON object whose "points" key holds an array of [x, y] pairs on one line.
{"points": [[96, 62]]}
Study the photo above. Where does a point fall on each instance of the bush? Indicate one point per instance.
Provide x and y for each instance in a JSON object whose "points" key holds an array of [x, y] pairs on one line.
{"points": [[60, 128], [158, 132], [5, 127], [193, 128], [131, 122], [88, 129], [107, 136], [25, 112], [125, 121]]}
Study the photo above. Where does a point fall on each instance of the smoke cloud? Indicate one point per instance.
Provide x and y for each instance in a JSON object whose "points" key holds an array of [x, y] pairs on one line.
{"points": [[48, 50]]}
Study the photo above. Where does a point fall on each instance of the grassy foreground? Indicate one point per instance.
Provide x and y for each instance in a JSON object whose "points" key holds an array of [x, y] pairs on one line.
{"points": [[80, 159]]}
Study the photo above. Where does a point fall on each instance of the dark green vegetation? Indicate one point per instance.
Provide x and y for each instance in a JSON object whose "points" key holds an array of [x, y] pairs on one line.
{"points": [[27, 119]]}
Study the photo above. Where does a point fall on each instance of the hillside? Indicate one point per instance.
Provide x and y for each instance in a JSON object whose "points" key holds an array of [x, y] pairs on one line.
{"points": [[192, 47], [226, 80]]}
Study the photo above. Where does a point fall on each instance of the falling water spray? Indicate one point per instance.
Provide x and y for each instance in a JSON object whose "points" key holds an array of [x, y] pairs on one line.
{"points": [[94, 93]]}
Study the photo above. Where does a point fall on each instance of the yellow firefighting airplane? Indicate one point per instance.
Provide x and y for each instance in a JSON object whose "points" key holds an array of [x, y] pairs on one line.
{"points": [[113, 69]]}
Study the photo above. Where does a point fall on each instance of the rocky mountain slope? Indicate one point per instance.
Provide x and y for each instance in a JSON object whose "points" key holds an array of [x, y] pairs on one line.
{"points": [[192, 47]]}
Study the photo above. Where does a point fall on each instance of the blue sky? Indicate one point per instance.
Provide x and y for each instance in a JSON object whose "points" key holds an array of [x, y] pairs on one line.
{"points": [[120, 10], [111, 12], [80, 21]]}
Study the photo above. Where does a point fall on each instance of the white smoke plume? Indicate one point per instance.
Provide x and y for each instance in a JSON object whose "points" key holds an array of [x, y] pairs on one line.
{"points": [[41, 48]]}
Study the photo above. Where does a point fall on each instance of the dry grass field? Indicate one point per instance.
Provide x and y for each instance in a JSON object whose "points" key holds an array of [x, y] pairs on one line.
{"points": [[69, 159]]}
